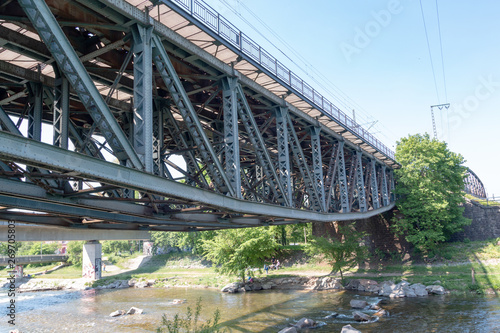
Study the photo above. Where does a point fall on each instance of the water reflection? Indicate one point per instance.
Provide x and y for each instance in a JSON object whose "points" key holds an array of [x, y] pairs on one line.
{"points": [[266, 311]]}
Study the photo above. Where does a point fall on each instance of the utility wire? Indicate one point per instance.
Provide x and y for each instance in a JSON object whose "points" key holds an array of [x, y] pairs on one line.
{"points": [[442, 57], [343, 99], [429, 49]]}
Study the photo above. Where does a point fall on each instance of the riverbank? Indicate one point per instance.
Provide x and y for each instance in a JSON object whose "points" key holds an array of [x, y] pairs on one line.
{"points": [[462, 268]]}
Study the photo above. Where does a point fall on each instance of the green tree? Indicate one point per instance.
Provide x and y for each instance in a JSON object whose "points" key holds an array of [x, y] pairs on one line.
{"points": [[75, 252], [110, 247], [233, 251], [430, 191], [341, 253], [181, 240]]}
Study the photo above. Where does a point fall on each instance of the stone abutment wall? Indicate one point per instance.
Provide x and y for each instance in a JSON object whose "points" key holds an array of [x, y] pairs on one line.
{"points": [[485, 222], [381, 241]]}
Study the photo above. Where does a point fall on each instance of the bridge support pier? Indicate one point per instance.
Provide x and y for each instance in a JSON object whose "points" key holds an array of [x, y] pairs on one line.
{"points": [[91, 265], [19, 271]]}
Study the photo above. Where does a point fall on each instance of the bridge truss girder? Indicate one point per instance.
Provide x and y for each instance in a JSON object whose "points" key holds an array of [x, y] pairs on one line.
{"points": [[243, 157]]}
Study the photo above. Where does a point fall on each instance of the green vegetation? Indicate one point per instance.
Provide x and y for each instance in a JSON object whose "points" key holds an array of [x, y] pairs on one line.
{"points": [[190, 323], [75, 252], [482, 201], [429, 187], [233, 251], [343, 253]]}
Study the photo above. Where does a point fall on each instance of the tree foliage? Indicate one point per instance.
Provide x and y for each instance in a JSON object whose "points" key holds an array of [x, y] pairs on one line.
{"points": [[191, 241], [75, 252], [429, 188], [343, 253], [233, 251], [115, 246]]}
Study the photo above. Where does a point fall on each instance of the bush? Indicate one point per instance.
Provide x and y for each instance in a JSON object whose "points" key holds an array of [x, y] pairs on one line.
{"points": [[190, 323]]}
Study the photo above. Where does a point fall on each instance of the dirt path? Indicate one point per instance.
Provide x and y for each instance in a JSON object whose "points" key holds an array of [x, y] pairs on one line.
{"points": [[131, 265]]}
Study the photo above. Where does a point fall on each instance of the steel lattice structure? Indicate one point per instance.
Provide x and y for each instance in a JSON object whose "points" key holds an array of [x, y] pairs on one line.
{"points": [[474, 185], [164, 116]]}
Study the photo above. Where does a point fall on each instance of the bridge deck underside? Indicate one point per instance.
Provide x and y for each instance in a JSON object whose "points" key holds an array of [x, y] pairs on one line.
{"points": [[149, 122]]}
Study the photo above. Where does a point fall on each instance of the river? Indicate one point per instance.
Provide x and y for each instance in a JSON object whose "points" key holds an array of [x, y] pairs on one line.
{"points": [[264, 311]]}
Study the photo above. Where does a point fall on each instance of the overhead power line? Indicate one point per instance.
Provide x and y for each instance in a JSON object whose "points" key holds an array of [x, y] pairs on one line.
{"points": [[340, 98]]}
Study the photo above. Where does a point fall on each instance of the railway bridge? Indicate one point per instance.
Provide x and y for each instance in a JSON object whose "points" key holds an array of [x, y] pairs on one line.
{"points": [[162, 115]]}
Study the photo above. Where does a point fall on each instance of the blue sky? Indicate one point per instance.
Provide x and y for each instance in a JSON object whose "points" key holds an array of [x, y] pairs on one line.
{"points": [[372, 56]]}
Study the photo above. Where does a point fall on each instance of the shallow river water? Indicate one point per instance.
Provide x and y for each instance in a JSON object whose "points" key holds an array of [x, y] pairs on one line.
{"points": [[265, 311]]}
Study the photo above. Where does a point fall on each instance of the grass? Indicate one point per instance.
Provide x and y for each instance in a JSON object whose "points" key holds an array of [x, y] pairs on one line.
{"points": [[482, 201]]}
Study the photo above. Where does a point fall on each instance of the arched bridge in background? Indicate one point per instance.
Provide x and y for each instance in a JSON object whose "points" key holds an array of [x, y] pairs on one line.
{"points": [[141, 115], [474, 185]]}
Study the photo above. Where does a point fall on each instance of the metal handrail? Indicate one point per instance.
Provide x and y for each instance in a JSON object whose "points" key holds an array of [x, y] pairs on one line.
{"points": [[210, 18]]}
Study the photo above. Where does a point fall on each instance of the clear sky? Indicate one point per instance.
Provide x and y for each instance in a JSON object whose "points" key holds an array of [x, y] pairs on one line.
{"points": [[373, 56]]}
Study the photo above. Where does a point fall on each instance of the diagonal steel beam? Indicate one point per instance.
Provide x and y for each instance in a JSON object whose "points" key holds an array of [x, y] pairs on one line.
{"points": [[373, 184], [52, 35], [259, 145], [301, 162], [181, 100]]}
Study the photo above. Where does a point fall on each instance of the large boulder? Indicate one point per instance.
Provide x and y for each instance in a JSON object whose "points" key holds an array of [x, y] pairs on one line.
{"points": [[390, 289], [360, 316], [367, 285], [419, 289], [141, 284], [117, 313], [231, 288], [256, 286], [134, 310], [305, 323], [349, 329], [358, 304], [435, 289], [267, 286]]}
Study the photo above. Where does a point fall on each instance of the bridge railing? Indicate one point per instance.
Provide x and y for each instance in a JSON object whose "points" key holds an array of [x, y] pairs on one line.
{"points": [[34, 259], [230, 33]]}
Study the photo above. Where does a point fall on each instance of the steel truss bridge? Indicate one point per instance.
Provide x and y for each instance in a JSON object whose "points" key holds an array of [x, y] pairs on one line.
{"points": [[164, 116]]}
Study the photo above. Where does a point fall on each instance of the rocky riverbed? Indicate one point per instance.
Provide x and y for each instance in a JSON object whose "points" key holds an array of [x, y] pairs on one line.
{"points": [[386, 288]]}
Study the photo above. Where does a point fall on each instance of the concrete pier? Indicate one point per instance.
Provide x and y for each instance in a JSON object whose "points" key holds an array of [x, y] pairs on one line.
{"points": [[91, 265]]}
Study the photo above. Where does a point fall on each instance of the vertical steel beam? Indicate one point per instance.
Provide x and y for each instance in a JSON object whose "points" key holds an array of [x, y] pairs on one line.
{"points": [[392, 194], [143, 95], [342, 179], [35, 111], [52, 35], [360, 185], [61, 110], [158, 119], [318, 165], [181, 100], [231, 133], [385, 193], [283, 152], [373, 184]]}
